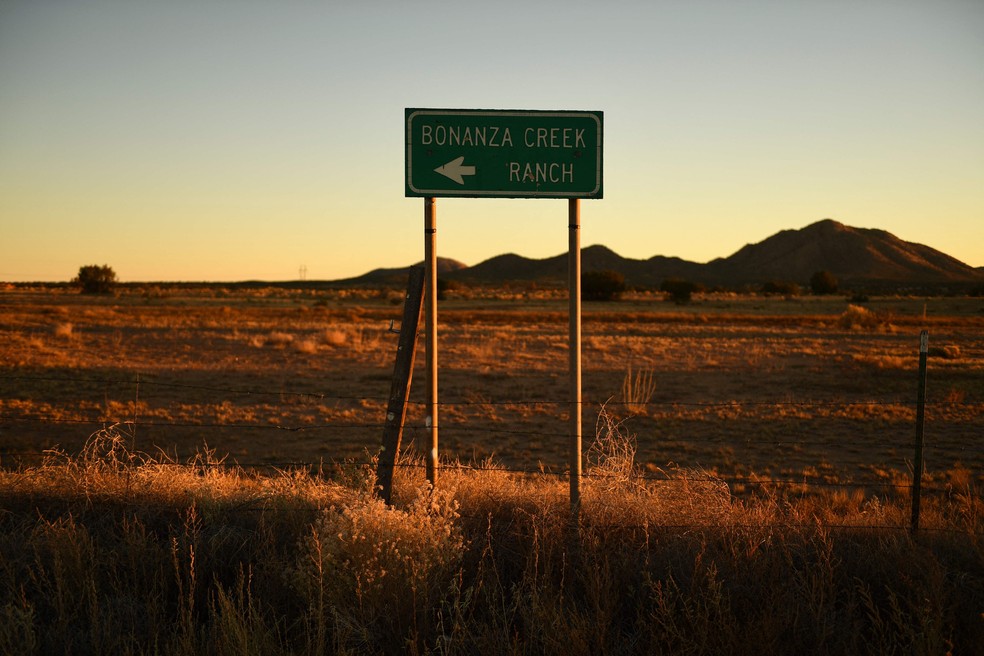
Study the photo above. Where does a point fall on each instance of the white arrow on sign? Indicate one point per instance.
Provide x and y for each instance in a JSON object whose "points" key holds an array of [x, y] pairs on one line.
{"points": [[455, 169]]}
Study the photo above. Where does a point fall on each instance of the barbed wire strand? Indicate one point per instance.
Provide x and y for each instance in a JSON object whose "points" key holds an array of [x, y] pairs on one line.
{"points": [[144, 382]]}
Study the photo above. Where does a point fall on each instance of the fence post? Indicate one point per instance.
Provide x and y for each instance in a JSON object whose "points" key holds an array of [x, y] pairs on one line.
{"points": [[917, 465], [396, 409]]}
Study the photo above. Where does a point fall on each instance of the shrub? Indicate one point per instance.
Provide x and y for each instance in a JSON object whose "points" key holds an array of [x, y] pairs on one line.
{"points": [[381, 570], [680, 291], [94, 279], [822, 283], [602, 285], [947, 352], [861, 318], [64, 330], [444, 286], [781, 288]]}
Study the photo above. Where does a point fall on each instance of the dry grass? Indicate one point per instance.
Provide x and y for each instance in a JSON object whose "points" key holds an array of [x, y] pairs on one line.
{"points": [[685, 543], [745, 384], [117, 551], [857, 317], [64, 331], [637, 391], [336, 337]]}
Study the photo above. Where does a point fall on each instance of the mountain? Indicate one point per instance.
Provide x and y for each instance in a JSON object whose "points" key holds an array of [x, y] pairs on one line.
{"points": [[859, 257], [593, 258], [445, 266], [851, 254]]}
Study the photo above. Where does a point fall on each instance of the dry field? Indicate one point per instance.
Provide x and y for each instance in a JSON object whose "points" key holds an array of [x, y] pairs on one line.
{"points": [[107, 547], [751, 389]]}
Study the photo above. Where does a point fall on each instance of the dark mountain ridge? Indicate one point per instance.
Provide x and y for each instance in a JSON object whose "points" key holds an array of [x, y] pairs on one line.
{"points": [[850, 254], [445, 266], [855, 256]]}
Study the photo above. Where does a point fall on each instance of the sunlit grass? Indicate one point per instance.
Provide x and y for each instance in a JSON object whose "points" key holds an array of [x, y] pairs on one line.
{"points": [[637, 390], [115, 551]]}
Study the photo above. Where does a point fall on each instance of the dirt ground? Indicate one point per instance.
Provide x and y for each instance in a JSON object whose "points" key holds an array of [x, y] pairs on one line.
{"points": [[747, 388]]}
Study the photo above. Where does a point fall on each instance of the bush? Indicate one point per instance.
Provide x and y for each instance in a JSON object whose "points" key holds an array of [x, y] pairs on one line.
{"points": [[781, 288], [822, 283], [680, 291], [861, 318], [444, 286], [602, 285], [94, 279]]}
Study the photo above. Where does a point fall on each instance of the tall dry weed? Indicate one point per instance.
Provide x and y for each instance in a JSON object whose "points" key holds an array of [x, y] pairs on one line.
{"points": [[18, 626], [618, 492], [638, 389], [610, 458]]}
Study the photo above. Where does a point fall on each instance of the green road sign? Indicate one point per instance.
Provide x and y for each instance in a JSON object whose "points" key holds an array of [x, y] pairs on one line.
{"points": [[503, 153]]}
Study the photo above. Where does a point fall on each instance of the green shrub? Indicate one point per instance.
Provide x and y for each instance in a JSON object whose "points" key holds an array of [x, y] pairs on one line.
{"points": [[822, 283], [94, 279], [680, 291], [781, 288], [444, 286], [602, 285]]}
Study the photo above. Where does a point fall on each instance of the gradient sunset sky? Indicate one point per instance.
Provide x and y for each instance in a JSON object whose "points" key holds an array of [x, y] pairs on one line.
{"points": [[234, 140]]}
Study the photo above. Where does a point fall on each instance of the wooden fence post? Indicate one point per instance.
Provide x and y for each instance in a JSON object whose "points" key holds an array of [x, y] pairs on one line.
{"points": [[396, 409]]}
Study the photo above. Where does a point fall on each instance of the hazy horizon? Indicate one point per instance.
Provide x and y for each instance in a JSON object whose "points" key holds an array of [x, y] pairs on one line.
{"points": [[224, 142], [302, 274]]}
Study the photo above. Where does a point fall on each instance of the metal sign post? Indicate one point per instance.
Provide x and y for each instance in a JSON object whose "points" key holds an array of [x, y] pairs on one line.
{"points": [[504, 154], [574, 283], [430, 326]]}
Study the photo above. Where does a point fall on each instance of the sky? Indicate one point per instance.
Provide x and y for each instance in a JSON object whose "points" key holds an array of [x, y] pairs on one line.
{"points": [[222, 140]]}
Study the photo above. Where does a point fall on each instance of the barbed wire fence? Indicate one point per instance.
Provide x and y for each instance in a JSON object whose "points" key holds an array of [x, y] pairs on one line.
{"points": [[966, 447]]}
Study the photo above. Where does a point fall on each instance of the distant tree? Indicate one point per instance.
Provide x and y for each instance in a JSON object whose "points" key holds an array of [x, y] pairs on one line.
{"points": [[94, 279], [823, 282], [781, 287], [444, 286], [680, 291], [602, 285]]}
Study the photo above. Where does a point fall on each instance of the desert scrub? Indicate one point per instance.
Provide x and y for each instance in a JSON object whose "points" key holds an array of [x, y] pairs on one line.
{"points": [[858, 318], [372, 573], [618, 493], [64, 331]]}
